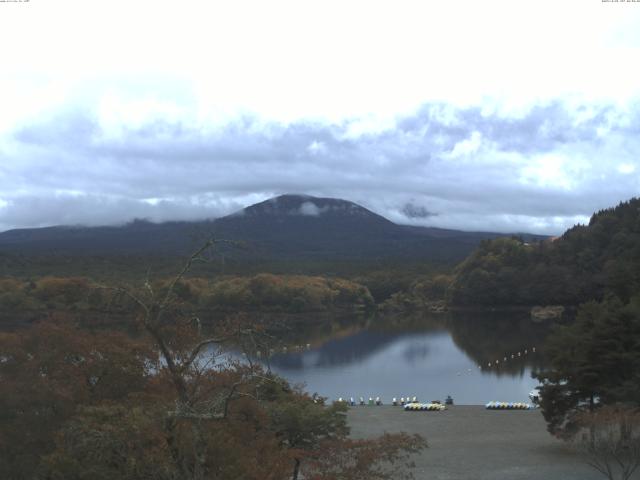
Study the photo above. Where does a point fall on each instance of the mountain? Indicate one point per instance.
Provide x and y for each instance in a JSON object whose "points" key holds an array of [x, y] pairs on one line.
{"points": [[137, 237], [285, 227], [294, 225]]}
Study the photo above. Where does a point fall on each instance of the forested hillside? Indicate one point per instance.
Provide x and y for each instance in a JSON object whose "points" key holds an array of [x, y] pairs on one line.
{"points": [[283, 293], [586, 262]]}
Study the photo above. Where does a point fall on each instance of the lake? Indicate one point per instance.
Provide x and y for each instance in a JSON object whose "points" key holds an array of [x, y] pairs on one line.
{"points": [[429, 356]]}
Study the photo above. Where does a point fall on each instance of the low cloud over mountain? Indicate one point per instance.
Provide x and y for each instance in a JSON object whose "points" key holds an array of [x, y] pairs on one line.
{"points": [[541, 169]]}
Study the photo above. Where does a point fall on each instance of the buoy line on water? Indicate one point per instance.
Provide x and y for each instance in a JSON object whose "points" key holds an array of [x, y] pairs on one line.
{"points": [[505, 358], [413, 400], [378, 401], [411, 404]]}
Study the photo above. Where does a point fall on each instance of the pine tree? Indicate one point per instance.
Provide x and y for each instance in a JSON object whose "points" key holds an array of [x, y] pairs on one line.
{"points": [[595, 361]]}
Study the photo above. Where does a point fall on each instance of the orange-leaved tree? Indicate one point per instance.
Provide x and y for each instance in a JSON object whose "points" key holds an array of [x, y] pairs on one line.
{"points": [[48, 372], [174, 403]]}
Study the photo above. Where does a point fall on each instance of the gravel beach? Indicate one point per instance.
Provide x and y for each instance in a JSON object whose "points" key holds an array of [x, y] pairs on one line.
{"points": [[472, 443]]}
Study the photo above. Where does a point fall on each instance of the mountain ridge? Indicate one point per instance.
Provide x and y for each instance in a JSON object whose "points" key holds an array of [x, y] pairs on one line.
{"points": [[290, 225]]}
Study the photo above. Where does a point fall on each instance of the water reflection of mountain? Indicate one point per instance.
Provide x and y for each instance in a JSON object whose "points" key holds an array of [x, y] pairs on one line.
{"points": [[430, 356], [342, 341], [340, 351], [410, 323], [483, 337], [487, 337], [416, 351]]}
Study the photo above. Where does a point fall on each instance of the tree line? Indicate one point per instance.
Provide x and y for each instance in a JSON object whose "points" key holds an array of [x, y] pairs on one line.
{"points": [[289, 293], [585, 263], [590, 387], [168, 402]]}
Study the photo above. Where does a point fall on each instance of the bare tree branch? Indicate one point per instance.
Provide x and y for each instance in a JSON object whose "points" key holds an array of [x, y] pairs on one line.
{"points": [[196, 350]]}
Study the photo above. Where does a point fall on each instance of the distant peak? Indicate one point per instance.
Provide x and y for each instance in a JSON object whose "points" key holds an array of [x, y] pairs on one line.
{"points": [[302, 205], [292, 196]]}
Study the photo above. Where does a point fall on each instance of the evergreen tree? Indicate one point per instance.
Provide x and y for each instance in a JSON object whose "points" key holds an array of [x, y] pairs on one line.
{"points": [[595, 361]]}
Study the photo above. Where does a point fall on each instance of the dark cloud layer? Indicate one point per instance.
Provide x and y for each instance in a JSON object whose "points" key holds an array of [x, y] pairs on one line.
{"points": [[465, 168]]}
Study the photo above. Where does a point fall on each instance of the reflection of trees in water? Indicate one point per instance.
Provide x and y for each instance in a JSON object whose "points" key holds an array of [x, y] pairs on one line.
{"points": [[296, 330], [343, 339], [416, 322], [490, 336], [340, 342], [341, 351], [417, 351], [344, 344], [410, 324]]}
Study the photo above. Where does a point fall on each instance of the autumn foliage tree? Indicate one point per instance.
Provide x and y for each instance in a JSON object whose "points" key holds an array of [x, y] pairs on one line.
{"points": [[173, 402], [50, 371]]}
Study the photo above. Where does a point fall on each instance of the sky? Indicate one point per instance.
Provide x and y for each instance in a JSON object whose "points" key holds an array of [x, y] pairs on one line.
{"points": [[476, 115]]}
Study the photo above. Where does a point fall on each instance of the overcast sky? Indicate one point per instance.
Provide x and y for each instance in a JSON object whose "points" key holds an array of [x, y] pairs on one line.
{"points": [[477, 115]]}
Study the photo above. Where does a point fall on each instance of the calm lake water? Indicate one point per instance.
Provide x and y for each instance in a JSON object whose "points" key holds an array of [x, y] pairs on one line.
{"points": [[426, 356]]}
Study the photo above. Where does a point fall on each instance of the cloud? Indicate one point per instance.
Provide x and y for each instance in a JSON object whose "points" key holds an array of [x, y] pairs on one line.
{"points": [[310, 209], [412, 211], [95, 209], [540, 170], [440, 112]]}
